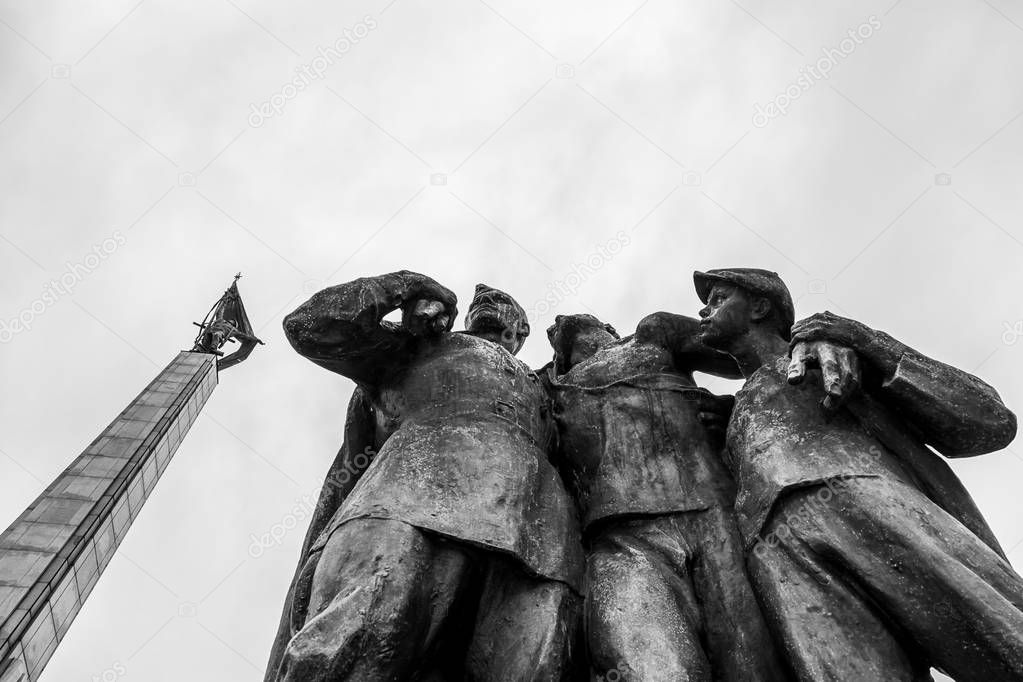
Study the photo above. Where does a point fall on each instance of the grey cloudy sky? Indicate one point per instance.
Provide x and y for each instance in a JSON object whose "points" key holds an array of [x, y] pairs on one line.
{"points": [[584, 156]]}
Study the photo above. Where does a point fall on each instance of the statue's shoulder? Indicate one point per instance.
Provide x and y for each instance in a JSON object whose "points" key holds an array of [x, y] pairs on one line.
{"points": [[474, 349], [767, 382], [667, 329], [606, 366], [459, 339]]}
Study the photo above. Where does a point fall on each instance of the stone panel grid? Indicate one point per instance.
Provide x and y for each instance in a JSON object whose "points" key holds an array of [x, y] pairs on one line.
{"points": [[52, 556]]}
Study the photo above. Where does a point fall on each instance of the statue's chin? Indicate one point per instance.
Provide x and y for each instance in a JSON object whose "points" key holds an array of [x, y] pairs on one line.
{"points": [[488, 321], [709, 338]]}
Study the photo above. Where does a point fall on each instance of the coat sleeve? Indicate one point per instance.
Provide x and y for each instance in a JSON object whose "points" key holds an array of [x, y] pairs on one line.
{"points": [[342, 328], [955, 412], [352, 459], [681, 336]]}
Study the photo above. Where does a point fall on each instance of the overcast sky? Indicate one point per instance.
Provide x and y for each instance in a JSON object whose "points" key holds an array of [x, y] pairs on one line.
{"points": [[587, 157]]}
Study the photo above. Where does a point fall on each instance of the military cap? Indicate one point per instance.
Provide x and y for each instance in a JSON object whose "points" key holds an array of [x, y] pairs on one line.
{"points": [[485, 291], [760, 282]]}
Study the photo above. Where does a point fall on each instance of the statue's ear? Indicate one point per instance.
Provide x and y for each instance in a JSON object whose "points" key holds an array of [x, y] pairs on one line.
{"points": [[761, 309]]}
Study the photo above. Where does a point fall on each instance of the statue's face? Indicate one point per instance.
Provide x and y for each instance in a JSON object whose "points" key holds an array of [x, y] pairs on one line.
{"points": [[587, 344], [576, 338], [496, 315], [727, 316]]}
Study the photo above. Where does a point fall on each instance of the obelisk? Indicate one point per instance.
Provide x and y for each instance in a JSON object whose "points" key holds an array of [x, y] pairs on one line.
{"points": [[53, 554]]}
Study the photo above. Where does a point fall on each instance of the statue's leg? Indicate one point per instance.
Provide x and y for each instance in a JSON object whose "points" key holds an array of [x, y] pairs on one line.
{"points": [[642, 615], [827, 629], [955, 596], [739, 645], [526, 629], [381, 593]]}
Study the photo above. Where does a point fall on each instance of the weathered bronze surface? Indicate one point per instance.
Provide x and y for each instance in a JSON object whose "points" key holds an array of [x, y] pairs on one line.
{"points": [[869, 557], [483, 521], [458, 547], [666, 592]]}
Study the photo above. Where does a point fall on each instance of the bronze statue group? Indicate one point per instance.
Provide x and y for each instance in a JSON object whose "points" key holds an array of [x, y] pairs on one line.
{"points": [[604, 518]]}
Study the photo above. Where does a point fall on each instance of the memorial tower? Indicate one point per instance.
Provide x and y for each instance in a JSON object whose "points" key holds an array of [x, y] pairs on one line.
{"points": [[54, 553]]}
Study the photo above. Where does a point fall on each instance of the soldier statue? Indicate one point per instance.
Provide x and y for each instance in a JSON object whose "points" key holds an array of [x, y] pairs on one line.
{"points": [[667, 597], [869, 557], [456, 551]]}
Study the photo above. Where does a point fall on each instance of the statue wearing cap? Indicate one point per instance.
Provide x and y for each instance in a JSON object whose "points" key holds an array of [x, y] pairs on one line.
{"points": [[455, 552], [667, 596], [870, 558]]}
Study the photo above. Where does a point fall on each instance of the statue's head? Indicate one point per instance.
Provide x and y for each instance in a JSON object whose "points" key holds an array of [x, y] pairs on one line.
{"points": [[742, 301], [575, 338], [496, 316]]}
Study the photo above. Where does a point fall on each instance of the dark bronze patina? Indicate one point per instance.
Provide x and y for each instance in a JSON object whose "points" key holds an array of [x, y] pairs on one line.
{"points": [[456, 553], [667, 596], [482, 520], [869, 557]]}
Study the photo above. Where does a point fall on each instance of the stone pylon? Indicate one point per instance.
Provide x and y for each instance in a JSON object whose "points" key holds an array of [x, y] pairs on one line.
{"points": [[53, 554]]}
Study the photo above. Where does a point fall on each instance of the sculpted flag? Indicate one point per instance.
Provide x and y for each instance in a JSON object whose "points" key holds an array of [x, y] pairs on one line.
{"points": [[227, 322]]}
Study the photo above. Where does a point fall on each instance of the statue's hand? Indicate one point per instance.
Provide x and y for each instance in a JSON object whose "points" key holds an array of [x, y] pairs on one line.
{"points": [[427, 307], [426, 317], [715, 413], [839, 365], [840, 331], [423, 287]]}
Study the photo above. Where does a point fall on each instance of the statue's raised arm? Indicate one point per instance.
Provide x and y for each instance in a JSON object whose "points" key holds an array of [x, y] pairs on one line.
{"points": [[458, 514], [342, 328]]}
